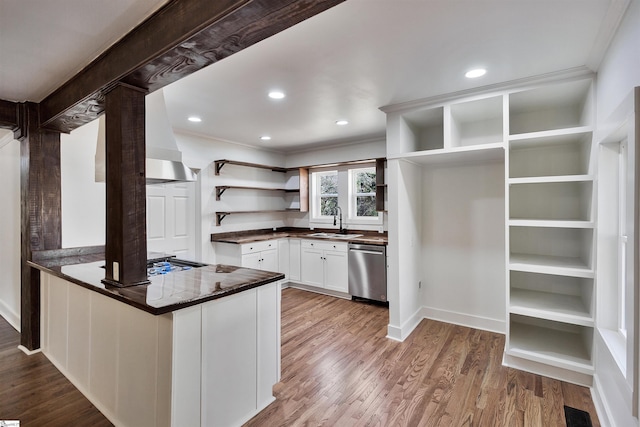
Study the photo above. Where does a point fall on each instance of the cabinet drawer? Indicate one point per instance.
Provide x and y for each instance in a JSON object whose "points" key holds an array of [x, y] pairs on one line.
{"points": [[249, 248], [324, 245]]}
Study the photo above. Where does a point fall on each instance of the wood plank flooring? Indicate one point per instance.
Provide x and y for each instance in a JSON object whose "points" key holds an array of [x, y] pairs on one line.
{"points": [[339, 369], [33, 391]]}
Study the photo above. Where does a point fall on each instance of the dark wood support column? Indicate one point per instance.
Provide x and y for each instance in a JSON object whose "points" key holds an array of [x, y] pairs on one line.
{"points": [[41, 209], [126, 239]]}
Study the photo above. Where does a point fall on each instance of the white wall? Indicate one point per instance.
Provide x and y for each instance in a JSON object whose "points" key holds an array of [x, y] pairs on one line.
{"points": [[463, 245], [363, 150], [618, 74], [405, 229], [200, 152], [83, 200], [10, 228]]}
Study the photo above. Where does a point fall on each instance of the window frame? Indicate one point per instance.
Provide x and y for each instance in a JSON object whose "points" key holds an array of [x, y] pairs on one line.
{"points": [[353, 195], [345, 193]]}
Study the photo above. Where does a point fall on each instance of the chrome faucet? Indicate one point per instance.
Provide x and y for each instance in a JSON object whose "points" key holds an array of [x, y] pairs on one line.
{"points": [[342, 230]]}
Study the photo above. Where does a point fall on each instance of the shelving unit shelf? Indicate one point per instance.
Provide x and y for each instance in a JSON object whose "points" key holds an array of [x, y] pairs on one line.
{"points": [[550, 226], [301, 190], [557, 344]]}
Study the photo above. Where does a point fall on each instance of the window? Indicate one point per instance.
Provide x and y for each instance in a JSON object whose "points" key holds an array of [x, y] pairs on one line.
{"points": [[352, 188], [327, 190], [622, 239], [363, 193]]}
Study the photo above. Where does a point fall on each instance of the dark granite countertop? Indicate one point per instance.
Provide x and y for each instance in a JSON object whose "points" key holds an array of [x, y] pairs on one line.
{"points": [[250, 236], [165, 293]]}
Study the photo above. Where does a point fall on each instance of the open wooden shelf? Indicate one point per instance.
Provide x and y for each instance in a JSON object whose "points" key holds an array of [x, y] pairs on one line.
{"points": [[220, 163], [220, 189], [302, 184], [221, 215]]}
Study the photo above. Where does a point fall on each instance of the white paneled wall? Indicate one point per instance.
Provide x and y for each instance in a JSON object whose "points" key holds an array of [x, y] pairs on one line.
{"points": [[214, 364], [116, 355]]}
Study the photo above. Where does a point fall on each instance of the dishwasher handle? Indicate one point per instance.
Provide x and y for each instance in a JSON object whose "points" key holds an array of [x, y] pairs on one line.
{"points": [[362, 251]]}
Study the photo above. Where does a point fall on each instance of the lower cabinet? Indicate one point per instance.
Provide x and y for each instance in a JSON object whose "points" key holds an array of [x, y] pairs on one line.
{"points": [[324, 265], [258, 255], [294, 260]]}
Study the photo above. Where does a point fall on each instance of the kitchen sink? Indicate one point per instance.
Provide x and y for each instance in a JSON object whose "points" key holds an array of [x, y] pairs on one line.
{"points": [[334, 235]]}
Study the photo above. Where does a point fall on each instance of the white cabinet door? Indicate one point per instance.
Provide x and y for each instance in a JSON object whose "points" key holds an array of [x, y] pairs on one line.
{"points": [[294, 259], [336, 271], [312, 267], [269, 260], [251, 260], [283, 257]]}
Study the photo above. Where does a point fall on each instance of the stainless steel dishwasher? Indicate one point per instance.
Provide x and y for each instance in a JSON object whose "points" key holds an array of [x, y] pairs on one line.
{"points": [[368, 271]]}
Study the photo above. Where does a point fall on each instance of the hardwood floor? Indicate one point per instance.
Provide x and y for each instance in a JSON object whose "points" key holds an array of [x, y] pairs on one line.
{"points": [[33, 391], [338, 369]]}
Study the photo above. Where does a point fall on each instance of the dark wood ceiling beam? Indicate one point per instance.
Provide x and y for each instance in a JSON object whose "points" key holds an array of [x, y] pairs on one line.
{"points": [[182, 37], [9, 115]]}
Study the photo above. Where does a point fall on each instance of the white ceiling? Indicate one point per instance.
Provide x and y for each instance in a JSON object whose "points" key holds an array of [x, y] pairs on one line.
{"points": [[342, 64]]}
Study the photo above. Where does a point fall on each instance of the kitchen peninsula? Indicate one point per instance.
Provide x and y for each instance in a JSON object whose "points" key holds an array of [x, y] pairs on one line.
{"points": [[193, 347]]}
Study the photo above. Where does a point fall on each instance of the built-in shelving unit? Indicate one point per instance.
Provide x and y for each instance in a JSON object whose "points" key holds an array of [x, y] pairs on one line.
{"points": [[551, 236], [454, 133], [300, 177], [543, 134]]}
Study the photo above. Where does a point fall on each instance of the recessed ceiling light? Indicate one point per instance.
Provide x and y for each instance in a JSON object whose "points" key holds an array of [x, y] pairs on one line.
{"points": [[276, 94], [477, 72], [342, 122], [194, 119], [265, 138]]}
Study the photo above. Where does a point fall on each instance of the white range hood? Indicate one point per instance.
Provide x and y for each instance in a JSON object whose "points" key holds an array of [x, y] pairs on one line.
{"points": [[164, 160]]}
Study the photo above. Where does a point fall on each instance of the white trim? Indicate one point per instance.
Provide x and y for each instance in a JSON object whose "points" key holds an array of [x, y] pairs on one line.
{"points": [[401, 333], [485, 91], [10, 315], [602, 408], [28, 352], [463, 319], [555, 372], [608, 29], [323, 291]]}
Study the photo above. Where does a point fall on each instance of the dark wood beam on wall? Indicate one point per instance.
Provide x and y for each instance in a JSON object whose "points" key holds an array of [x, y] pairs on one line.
{"points": [[41, 210], [182, 37], [9, 115], [126, 237]]}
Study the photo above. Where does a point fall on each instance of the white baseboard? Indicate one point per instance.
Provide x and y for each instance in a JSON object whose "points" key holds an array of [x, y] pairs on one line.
{"points": [[28, 352], [318, 290], [401, 333], [462, 319], [10, 315], [600, 403]]}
